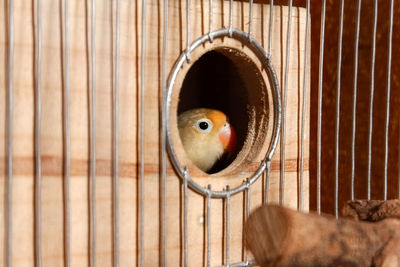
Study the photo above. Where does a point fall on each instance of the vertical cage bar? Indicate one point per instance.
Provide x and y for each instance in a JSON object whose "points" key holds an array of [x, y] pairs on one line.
{"points": [[267, 173], [185, 224], [210, 20], [248, 194], [371, 100], [250, 17], [116, 141], [283, 137], [353, 137], [66, 135], [389, 75], [320, 84], [227, 225], [338, 88], [270, 25], [141, 145], [398, 166], [208, 227], [10, 104], [163, 162], [188, 30], [38, 162], [93, 138], [230, 17], [303, 111]]}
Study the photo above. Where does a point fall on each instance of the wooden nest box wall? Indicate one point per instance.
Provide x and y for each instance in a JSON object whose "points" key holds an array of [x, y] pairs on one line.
{"points": [[91, 182]]}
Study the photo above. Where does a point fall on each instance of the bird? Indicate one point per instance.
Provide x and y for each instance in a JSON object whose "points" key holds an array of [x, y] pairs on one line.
{"points": [[206, 135]]}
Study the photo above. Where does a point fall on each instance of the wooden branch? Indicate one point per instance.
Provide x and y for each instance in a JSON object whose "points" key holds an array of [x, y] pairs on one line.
{"points": [[372, 210], [278, 236]]}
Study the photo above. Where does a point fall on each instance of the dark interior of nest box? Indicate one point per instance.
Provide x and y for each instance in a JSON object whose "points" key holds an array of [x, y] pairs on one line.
{"points": [[227, 80]]}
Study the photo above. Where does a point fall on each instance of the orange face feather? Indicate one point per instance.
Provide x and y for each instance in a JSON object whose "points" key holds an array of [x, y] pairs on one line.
{"points": [[227, 137], [206, 135]]}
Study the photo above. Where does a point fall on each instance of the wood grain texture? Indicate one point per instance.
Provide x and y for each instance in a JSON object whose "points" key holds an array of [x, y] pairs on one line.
{"points": [[278, 236], [371, 210], [129, 94]]}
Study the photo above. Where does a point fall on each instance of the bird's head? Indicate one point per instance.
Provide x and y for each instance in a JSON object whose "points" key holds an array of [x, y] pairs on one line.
{"points": [[206, 135]]}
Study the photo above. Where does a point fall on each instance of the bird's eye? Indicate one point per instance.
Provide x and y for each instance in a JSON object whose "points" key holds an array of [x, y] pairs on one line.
{"points": [[204, 125]]}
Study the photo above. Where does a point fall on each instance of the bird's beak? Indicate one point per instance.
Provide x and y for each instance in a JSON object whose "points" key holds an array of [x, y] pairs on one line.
{"points": [[227, 137]]}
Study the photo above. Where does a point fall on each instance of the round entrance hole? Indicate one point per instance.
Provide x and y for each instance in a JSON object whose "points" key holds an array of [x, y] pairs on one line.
{"points": [[226, 79]]}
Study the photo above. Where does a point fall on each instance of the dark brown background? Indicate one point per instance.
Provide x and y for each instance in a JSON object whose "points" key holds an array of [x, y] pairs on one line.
{"points": [[363, 96]]}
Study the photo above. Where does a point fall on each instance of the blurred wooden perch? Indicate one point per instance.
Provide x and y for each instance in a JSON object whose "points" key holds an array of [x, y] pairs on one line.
{"points": [[372, 210], [279, 236]]}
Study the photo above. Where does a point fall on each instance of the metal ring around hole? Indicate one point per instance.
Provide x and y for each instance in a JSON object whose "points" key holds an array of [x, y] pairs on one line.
{"points": [[265, 60]]}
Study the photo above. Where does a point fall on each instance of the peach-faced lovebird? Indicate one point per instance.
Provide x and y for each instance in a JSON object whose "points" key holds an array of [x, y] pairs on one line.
{"points": [[206, 136]]}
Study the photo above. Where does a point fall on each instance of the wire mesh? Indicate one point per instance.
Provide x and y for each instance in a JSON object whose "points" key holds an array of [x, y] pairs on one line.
{"points": [[398, 174], [267, 180], [188, 31], [264, 55], [67, 141], [247, 214], [208, 227], [210, 19], [116, 142], [227, 201], [270, 26], [338, 88], [230, 17], [353, 137], [38, 161], [365, 169], [371, 101], [92, 137], [142, 135], [250, 17], [284, 106], [209, 194], [185, 222], [163, 160], [10, 113], [303, 110], [319, 115], [387, 115]]}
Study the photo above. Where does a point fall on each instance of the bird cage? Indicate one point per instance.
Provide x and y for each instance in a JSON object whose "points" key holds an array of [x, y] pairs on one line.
{"points": [[95, 173], [91, 105], [355, 147]]}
